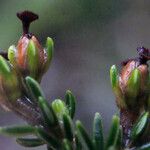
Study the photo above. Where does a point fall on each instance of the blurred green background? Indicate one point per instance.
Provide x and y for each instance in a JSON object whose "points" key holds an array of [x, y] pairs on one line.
{"points": [[90, 36]]}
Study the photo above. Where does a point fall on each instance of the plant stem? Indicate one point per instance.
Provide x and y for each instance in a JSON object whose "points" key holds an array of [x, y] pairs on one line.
{"points": [[27, 111], [127, 120]]}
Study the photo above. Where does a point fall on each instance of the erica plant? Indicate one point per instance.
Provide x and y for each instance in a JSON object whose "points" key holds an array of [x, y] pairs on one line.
{"points": [[21, 70]]}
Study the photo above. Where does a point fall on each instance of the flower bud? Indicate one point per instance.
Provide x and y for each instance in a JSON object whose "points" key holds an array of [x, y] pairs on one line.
{"points": [[29, 57], [9, 85], [59, 108], [131, 86]]}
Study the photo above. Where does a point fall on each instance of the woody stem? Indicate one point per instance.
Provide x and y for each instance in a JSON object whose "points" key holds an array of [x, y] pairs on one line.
{"points": [[127, 120]]}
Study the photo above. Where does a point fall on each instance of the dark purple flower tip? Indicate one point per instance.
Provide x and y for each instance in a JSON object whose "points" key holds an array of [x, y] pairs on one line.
{"points": [[27, 17], [144, 53]]}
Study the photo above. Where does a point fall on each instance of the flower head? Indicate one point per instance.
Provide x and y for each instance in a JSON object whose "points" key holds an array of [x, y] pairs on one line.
{"points": [[131, 86], [29, 57]]}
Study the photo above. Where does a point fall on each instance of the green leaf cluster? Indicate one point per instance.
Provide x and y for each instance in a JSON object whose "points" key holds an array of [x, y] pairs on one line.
{"points": [[60, 132]]}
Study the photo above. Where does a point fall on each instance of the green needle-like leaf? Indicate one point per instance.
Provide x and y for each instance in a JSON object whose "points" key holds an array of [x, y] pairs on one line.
{"points": [[11, 54], [4, 68], [98, 132], [51, 141], [32, 56], [68, 127], [114, 76], [113, 133], [119, 139], [32, 142], [114, 79], [133, 84], [70, 102], [34, 88], [67, 145], [139, 127], [49, 51], [77, 142], [48, 113], [83, 136], [17, 130]]}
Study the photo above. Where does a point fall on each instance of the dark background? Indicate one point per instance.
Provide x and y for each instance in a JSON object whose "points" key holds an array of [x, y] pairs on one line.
{"points": [[90, 36]]}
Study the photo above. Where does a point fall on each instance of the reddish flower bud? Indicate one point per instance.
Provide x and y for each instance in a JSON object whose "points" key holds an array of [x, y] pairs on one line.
{"points": [[29, 57], [133, 83]]}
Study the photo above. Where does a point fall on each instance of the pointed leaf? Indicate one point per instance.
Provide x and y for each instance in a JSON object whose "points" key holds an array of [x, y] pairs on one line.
{"points": [[139, 127], [48, 113], [70, 102], [32, 56], [119, 142], [32, 142], [67, 145], [133, 84], [49, 51], [77, 142], [114, 76], [68, 127], [17, 130], [34, 88], [49, 54], [4, 68], [11, 54], [113, 133], [98, 132], [83, 136]]}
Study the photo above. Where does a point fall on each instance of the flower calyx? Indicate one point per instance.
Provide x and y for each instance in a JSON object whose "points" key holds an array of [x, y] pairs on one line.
{"points": [[29, 57], [132, 84]]}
